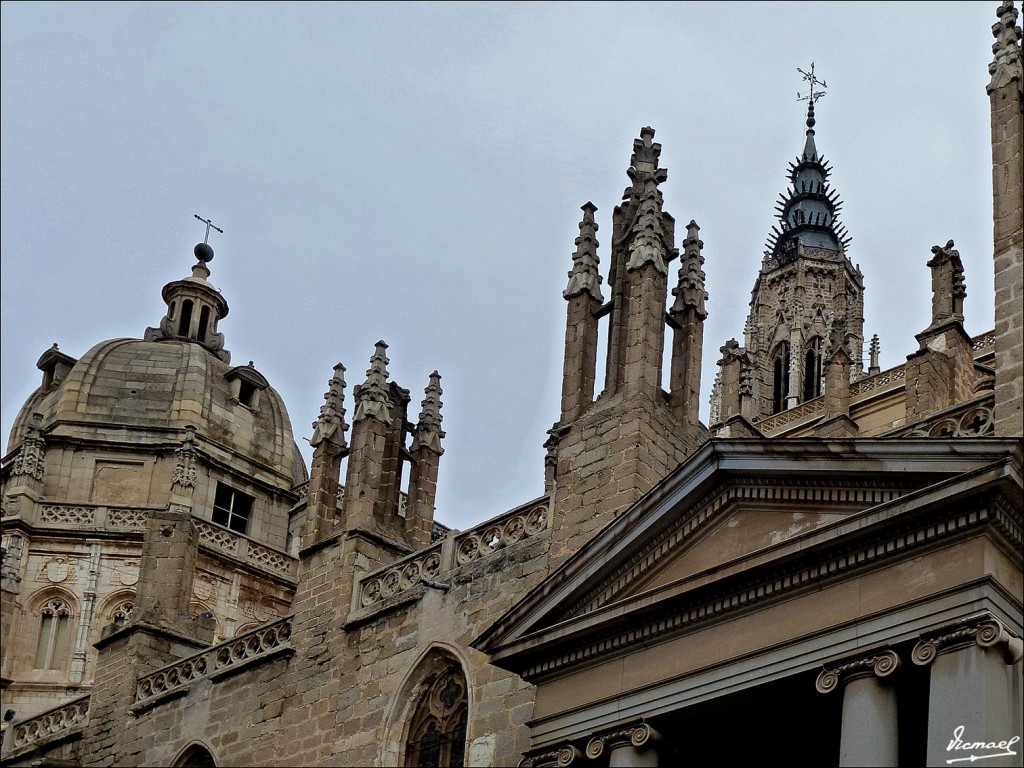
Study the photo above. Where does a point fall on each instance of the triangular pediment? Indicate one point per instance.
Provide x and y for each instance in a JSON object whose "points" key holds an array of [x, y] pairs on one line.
{"points": [[736, 510]]}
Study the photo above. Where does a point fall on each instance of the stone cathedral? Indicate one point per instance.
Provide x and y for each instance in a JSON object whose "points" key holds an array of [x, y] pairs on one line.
{"points": [[832, 567]]}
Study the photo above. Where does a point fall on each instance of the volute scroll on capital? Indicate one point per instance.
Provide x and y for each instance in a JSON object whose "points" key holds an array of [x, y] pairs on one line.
{"points": [[560, 757], [881, 664], [637, 735], [987, 633]]}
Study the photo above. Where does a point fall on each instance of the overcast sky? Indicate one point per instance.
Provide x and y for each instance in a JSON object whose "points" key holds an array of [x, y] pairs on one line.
{"points": [[414, 173]]}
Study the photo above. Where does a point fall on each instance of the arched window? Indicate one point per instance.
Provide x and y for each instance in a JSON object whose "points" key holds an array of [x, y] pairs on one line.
{"points": [[122, 613], [185, 321], [196, 756], [812, 370], [780, 378], [437, 732], [204, 320], [52, 646]]}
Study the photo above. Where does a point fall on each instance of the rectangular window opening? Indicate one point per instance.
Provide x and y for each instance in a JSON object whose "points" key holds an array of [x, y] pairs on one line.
{"points": [[232, 508]]}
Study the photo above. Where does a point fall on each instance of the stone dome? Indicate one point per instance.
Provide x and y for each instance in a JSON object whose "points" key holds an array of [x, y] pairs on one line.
{"points": [[136, 391]]}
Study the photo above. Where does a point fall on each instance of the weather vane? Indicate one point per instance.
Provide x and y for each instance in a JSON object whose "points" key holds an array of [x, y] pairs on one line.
{"points": [[812, 81], [209, 223]]}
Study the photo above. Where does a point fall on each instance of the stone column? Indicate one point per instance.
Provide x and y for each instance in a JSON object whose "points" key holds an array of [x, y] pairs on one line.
{"points": [[629, 747], [870, 726], [975, 699]]}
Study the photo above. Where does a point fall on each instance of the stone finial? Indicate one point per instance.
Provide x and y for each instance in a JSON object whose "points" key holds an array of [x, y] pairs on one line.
{"points": [[584, 276], [648, 245], [1006, 63], [715, 412], [948, 286], [689, 292], [372, 399], [643, 165], [330, 427], [428, 432], [873, 350]]}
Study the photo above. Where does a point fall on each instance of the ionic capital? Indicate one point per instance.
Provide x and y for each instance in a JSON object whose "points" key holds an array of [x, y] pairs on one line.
{"points": [[558, 757], [638, 735], [880, 664], [985, 631]]}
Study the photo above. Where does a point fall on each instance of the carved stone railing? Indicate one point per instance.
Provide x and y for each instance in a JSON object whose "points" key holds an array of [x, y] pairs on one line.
{"points": [[455, 550], [881, 380], [212, 537], [122, 518], [983, 341], [60, 721], [970, 419], [268, 640], [799, 413]]}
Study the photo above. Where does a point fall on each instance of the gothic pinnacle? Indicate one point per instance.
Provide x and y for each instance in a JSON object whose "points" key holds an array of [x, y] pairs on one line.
{"points": [[331, 426], [584, 274], [428, 432], [689, 291], [372, 398]]}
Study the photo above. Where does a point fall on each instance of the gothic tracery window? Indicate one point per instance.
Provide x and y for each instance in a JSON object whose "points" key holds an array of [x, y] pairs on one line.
{"points": [[437, 733], [52, 646], [122, 613], [812, 370], [780, 378]]}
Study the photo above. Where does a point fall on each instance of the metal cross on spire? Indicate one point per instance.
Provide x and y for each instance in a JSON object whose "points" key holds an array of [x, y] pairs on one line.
{"points": [[812, 94], [209, 223]]}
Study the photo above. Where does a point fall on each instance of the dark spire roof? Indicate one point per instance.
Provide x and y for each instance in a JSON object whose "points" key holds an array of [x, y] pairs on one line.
{"points": [[808, 211]]}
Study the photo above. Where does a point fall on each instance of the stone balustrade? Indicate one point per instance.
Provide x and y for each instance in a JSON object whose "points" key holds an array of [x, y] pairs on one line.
{"points": [[59, 721], [427, 564], [270, 639], [799, 413], [880, 381], [211, 536]]}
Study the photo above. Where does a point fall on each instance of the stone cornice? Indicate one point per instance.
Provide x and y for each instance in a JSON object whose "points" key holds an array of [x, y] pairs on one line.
{"points": [[646, 618], [715, 462]]}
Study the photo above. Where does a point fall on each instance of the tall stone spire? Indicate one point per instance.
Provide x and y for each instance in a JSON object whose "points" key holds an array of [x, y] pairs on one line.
{"points": [[426, 451], [808, 211]]}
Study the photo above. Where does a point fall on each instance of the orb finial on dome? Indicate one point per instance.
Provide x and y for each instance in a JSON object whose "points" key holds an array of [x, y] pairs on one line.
{"points": [[203, 250]]}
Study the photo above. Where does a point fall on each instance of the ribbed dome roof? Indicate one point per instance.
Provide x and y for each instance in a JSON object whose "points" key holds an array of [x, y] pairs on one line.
{"points": [[164, 386]]}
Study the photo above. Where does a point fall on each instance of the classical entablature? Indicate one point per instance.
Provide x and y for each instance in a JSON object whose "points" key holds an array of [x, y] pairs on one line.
{"points": [[758, 560]]}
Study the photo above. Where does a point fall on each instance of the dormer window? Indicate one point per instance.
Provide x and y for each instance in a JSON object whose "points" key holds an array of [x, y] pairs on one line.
{"points": [[55, 366], [246, 385]]}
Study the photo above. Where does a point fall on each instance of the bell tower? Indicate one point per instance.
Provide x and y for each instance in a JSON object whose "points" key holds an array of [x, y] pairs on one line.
{"points": [[807, 289]]}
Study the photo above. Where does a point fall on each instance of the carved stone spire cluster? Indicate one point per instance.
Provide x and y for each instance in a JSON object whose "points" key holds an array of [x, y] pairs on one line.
{"points": [[584, 277], [330, 426], [1007, 60], [689, 291], [428, 428], [372, 400]]}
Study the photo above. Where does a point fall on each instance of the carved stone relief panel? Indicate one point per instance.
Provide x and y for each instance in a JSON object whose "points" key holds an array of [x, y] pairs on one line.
{"points": [[120, 482]]}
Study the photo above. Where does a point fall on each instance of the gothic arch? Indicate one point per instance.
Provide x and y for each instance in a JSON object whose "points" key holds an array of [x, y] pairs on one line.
{"points": [[408, 711], [51, 620], [116, 606], [195, 755]]}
